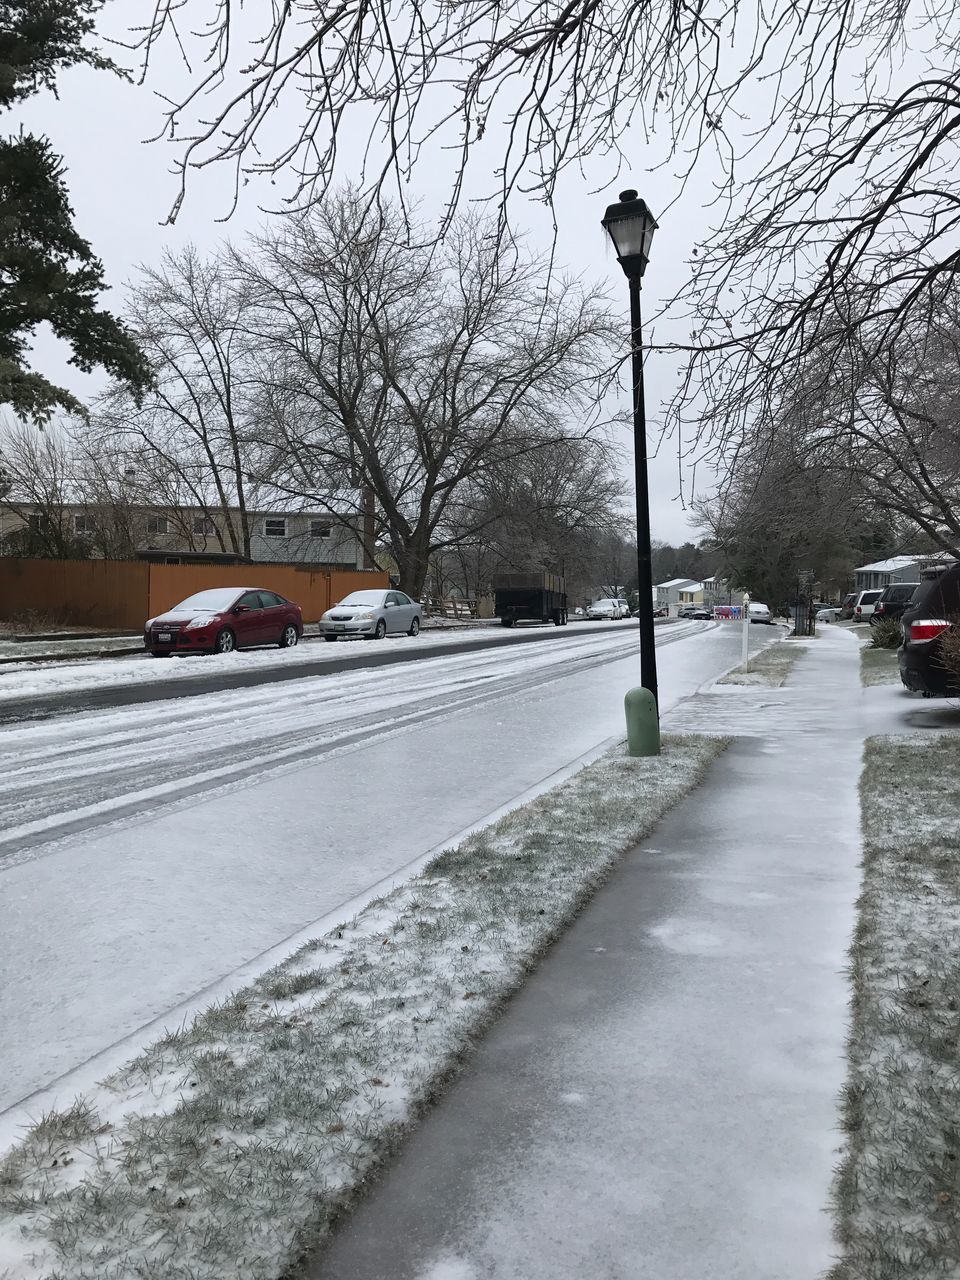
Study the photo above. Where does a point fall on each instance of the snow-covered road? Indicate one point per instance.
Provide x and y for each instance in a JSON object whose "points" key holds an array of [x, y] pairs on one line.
{"points": [[147, 853]]}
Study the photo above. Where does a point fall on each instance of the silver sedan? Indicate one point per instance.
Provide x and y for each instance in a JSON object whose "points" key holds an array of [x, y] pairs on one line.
{"points": [[372, 615]]}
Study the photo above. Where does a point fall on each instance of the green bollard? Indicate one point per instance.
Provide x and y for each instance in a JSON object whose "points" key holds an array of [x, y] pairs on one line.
{"points": [[643, 723]]}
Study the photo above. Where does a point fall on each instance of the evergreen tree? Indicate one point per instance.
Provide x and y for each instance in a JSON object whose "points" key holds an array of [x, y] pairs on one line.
{"points": [[48, 272]]}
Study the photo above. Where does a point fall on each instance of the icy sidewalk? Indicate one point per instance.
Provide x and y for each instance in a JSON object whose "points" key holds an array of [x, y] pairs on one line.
{"points": [[660, 1101]]}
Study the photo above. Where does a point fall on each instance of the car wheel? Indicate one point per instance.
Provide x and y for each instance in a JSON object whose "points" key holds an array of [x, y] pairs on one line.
{"points": [[226, 641], [331, 639], [289, 636], [414, 627], [381, 630]]}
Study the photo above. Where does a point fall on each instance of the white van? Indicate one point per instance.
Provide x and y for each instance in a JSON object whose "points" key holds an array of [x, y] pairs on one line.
{"points": [[758, 612]]}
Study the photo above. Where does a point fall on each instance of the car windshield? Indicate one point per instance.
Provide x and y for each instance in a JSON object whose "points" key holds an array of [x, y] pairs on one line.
{"points": [[362, 597], [209, 601]]}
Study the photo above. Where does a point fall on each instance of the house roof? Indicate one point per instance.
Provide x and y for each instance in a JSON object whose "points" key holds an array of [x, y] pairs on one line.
{"points": [[679, 582], [891, 565]]}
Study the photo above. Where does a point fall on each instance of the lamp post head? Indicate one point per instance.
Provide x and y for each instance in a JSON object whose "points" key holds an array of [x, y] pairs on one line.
{"points": [[630, 225]]}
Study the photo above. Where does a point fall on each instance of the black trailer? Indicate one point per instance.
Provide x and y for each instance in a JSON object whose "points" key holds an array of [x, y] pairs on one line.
{"points": [[530, 597]]}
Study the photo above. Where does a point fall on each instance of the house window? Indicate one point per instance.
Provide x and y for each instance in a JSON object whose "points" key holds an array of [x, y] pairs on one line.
{"points": [[320, 529], [204, 526], [275, 527], [82, 524], [158, 524]]}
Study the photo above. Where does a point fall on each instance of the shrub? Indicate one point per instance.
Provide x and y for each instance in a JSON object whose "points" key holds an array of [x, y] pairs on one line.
{"points": [[950, 650], [885, 634]]}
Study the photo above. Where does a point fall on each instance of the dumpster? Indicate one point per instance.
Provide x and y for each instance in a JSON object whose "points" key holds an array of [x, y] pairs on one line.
{"points": [[530, 597]]}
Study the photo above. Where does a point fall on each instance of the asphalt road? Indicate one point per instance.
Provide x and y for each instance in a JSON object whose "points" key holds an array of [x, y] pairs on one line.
{"points": [[149, 852], [106, 697]]}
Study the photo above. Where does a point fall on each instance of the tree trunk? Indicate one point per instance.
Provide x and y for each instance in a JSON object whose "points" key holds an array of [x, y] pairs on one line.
{"points": [[412, 565]]}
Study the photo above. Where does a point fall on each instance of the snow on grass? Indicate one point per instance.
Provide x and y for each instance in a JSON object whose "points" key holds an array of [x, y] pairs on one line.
{"points": [[897, 1193], [878, 666], [769, 667], [228, 1147]]}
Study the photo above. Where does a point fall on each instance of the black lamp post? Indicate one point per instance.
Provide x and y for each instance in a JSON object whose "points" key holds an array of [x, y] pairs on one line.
{"points": [[631, 226]]}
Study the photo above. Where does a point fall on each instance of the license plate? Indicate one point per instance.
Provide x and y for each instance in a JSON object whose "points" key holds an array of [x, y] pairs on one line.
{"points": [[341, 626], [165, 637]]}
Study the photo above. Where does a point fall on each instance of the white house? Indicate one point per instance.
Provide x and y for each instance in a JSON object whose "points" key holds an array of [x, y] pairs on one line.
{"points": [[904, 568], [678, 591]]}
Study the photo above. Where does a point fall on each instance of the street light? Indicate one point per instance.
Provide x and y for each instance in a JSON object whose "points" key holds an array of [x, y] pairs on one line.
{"points": [[631, 225]]}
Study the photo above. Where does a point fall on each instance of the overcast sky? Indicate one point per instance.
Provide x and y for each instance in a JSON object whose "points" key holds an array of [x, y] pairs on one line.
{"points": [[122, 189]]}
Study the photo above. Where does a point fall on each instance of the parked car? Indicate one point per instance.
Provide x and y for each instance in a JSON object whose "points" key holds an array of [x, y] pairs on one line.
{"points": [[609, 609], [372, 615], [828, 613], [865, 604], [931, 614], [223, 619], [846, 606], [757, 611], [687, 610], [894, 601], [702, 614]]}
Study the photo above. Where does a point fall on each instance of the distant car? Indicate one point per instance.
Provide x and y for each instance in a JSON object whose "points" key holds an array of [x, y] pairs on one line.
{"points": [[223, 619], [702, 614], [759, 612], [372, 615], [687, 610], [894, 601], [828, 613], [610, 609], [923, 624], [846, 606], [865, 604]]}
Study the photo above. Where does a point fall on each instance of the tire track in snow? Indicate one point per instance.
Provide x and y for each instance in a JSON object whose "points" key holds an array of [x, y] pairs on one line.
{"points": [[61, 778]]}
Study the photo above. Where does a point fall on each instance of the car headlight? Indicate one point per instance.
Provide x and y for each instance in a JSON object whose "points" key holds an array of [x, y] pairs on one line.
{"points": [[149, 623], [195, 623], [366, 616]]}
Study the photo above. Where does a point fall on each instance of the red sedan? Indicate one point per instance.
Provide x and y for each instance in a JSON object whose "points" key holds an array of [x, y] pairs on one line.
{"points": [[224, 619]]}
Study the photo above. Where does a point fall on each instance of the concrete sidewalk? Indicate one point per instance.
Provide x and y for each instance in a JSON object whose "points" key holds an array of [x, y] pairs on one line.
{"points": [[659, 1102]]}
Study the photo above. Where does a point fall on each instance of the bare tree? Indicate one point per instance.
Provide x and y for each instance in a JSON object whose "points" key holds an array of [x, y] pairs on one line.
{"points": [[785, 513], [39, 475], [876, 420], [554, 83], [836, 127], [420, 372], [71, 494], [548, 511], [190, 431]]}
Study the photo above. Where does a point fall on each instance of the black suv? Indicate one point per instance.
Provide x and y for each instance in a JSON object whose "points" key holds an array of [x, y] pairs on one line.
{"points": [[894, 601], [935, 609]]}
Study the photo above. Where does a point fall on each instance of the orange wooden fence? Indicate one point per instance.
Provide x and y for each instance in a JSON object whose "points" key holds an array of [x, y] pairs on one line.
{"points": [[121, 594], [104, 595]]}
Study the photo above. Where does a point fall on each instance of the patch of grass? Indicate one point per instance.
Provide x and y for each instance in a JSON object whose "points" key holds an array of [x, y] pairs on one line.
{"points": [[897, 1192], [247, 1131], [878, 666], [770, 666]]}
